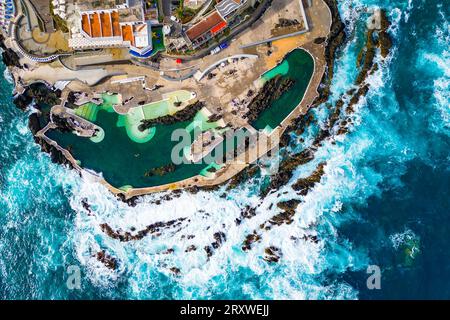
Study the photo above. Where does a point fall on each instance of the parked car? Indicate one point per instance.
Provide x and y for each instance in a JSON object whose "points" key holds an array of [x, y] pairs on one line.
{"points": [[216, 50], [223, 46]]}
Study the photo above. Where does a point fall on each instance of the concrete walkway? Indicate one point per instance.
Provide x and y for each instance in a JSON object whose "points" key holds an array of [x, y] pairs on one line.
{"points": [[305, 21], [23, 52], [199, 75]]}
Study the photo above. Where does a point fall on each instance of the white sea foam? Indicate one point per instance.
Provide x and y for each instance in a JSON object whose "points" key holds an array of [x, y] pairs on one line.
{"points": [[407, 239], [208, 213], [436, 61], [8, 76], [407, 11]]}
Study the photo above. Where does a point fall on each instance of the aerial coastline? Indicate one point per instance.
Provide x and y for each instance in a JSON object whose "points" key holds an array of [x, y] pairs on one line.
{"points": [[85, 77], [224, 149]]}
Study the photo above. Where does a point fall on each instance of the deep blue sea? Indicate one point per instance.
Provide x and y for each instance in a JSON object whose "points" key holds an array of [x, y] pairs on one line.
{"points": [[384, 199]]}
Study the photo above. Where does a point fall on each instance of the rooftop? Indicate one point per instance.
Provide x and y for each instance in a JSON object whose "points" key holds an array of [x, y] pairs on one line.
{"points": [[227, 7], [112, 27], [207, 24]]}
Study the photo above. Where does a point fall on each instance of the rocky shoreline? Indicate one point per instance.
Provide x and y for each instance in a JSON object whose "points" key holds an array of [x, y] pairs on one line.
{"points": [[38, 93], [335, 40], [287, 209], [10, 58], [338, 123], [41, 95], [154, 229]]}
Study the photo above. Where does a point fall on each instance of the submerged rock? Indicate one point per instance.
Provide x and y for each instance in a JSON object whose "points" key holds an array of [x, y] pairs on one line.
{"points": [[161, 171], [271, 91], [304, 185]]}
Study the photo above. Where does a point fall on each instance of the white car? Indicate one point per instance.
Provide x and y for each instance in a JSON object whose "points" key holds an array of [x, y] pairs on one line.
{"points": [[215, 50]]}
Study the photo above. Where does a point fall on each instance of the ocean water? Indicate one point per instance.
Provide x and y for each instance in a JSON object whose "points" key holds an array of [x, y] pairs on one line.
{"points": [[384, 199]]}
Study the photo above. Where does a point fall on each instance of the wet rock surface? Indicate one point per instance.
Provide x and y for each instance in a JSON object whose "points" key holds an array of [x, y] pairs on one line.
{"points": [[34, 124], [176, 271], [154, 229], [286, 216], [38, 93], [336, 118], [86, 206], [10, 58], [219, 239], [285, 172], [250, 239], [244, 175], [288, 208], [191, 248], [109, 261], [304, 185], [384, 39], [335, 40], [272, 254], [247, 213], [56, 155]]}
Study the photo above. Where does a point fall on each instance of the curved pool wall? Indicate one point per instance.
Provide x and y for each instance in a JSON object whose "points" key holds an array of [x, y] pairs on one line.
{"points": [[297, 65]]}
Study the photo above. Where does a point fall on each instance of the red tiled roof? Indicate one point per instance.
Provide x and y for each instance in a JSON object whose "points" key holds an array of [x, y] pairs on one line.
{"points": [[127, 33], [207, 24], [219, 27], [96, 25], [106, 24], [115, 23]]}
